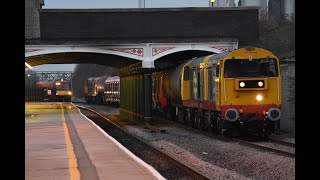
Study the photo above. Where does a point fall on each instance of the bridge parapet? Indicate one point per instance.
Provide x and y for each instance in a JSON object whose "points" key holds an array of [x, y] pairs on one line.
{"points": [[151, 24]]}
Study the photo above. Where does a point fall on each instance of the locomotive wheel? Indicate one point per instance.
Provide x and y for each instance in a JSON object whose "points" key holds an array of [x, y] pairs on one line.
{"points": [[188, 120], [169, 114], [196, 120], [199, 121], [213, 123], [193, 118], [181, 116], [219, 126], [263, 136]]}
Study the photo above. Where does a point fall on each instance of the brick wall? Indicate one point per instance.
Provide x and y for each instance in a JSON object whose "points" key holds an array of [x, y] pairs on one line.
{"points": [[288, 96], [32, 21], [152, 24]]}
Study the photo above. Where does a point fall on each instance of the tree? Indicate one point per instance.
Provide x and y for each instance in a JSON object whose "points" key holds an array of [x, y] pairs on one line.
{"points": [[276, 34], [30, 78]]}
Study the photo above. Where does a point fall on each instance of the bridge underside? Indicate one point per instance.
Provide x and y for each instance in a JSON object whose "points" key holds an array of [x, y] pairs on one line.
{"points": [[80, 58], [178, 57], [110, 60], [152, 55]]}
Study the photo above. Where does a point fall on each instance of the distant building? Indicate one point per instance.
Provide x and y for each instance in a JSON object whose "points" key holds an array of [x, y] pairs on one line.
{"points": [[275, 8], [260, 3], [278, 8], [32, 19], [288, 8], [222, 3]]}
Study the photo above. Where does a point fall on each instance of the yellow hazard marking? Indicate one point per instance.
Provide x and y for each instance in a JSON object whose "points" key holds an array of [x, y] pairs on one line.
{"points": [[73, 165]]}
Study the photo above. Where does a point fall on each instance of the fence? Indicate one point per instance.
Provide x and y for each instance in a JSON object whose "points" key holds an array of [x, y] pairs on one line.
{"points": [[34, 94]]}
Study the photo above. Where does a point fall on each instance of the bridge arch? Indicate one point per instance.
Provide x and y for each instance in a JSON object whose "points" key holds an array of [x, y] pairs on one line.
{"points": [[72, 54], [183, 49]]}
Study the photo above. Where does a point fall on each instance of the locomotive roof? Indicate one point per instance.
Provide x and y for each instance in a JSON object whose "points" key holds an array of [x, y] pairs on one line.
{"points": [[112, 79], [195, 62], [96, 78], [220, 56], [243, 53]]}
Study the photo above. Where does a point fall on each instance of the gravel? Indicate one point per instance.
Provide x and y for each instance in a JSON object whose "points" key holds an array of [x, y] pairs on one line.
{"points": [[216, 158]]}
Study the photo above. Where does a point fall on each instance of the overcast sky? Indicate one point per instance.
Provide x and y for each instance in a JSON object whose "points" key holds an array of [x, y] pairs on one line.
{"points": [[123, 3], [87, 4]]}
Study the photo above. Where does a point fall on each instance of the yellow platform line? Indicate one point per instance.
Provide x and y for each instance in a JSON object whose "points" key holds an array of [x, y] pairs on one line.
{"points": [[73, 165]]}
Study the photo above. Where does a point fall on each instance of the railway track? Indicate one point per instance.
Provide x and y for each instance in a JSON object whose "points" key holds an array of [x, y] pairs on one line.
{"points": [[273, 145], [265, 146], [283, 142], [168, 166]]}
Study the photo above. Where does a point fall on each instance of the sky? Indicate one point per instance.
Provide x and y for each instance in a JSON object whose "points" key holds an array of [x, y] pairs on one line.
{"points": [[87, 4], [123, 3]]}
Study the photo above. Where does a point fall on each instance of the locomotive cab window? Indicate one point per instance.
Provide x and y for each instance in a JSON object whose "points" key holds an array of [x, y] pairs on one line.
{"points": [[63, 86], [186, 74], [255, 68]]}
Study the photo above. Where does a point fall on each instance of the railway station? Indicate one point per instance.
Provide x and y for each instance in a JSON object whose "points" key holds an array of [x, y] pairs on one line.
{"points": [[194, 100]]}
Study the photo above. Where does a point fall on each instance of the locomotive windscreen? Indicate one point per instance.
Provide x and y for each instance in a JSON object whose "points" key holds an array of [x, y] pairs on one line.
{"points": [[250, 68], [63, 86]]}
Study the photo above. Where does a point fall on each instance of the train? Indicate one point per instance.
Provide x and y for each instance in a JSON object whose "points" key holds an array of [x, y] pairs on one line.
{"points": [[57, 90], [228, 93], [102, 90]]}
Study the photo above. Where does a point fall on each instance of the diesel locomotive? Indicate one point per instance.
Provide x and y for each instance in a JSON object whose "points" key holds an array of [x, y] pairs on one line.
{"points": [[229, 92], [59, 90]]}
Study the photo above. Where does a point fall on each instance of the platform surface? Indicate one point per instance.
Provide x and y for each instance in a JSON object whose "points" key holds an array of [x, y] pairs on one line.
{"points": [[62, 144]]}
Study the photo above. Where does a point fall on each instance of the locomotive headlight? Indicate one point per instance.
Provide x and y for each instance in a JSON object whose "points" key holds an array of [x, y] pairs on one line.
{"points": [[260, 83], [69, 93], [259, 97], [242, 84]]}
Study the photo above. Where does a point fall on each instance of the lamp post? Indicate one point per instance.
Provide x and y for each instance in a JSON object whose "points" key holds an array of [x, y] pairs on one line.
{"points": [[212, 1]]}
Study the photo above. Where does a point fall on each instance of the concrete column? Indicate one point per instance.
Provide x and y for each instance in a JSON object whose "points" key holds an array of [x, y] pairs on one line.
{"points": [[147, 95], [135, 98], [147, 62], [142, 97]]}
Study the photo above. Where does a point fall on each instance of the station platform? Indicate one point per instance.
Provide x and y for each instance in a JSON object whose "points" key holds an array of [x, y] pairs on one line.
{"points": [[62, 144]]}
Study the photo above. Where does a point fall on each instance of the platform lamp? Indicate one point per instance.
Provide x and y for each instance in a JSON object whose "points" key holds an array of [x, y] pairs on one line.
{"points": [[26, 64], [212, 1]]}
